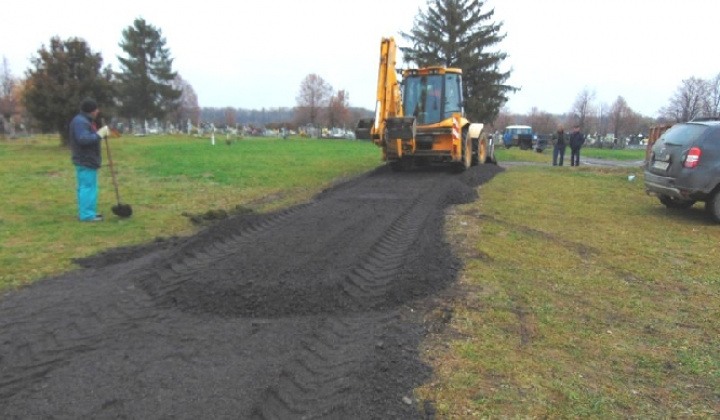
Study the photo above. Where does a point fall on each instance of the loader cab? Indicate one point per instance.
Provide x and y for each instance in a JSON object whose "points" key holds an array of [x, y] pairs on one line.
{"points": [[432, 95]]}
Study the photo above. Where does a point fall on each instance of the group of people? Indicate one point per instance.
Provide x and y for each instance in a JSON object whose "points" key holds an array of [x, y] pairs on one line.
{"points": [[576, 139]]}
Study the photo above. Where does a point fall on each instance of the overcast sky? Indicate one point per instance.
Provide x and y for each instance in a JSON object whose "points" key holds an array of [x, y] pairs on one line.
{"points": [[253, 54]]}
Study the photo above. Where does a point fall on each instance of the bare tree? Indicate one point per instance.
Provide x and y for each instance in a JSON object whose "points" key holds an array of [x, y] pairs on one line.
{"points": [[313, 97], [620, 115], [503, 119], [230, 119], [711, 104], [189, 108], [687, 103], [8, 99], [603, 122], [583, 108], [542, 122], [532, 118], [338, 109]]}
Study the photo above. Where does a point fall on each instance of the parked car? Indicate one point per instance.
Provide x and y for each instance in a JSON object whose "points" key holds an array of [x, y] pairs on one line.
{"points": [[518, 135], [684, 166], [542, 142]]}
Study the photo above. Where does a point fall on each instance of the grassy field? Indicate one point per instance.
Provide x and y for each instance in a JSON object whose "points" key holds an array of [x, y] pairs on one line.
{"points": [[581, 297], [516, 155], [162, 178]]}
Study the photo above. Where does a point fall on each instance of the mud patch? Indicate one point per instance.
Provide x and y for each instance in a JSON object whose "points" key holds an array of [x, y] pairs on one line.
{"points": [[215, 215], [125, 254]]}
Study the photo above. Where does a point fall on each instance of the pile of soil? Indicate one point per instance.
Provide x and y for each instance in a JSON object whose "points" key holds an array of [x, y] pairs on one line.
{"points": [[314, 311]]}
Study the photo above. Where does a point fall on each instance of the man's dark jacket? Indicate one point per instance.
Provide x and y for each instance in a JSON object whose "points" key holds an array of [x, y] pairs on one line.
{"points": [[85, 142], [577, 139]]}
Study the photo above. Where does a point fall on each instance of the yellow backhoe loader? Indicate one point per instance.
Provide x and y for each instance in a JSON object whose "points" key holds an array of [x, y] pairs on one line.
{"points": [[421, 119]]}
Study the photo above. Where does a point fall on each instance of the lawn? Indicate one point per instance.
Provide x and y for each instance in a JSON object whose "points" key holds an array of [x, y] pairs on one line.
{"points": [[581, 297], [516, 155], [166, 179]]}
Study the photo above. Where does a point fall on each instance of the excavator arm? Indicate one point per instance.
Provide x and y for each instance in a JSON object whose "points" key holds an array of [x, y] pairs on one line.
{"points": [[389, 123]]}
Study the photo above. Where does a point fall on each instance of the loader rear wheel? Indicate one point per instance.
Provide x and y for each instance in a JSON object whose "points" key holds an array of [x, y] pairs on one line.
{"points": [[480, 150]]}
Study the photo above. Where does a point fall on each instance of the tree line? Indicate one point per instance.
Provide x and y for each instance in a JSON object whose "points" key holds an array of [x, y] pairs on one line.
{"points": [[451, 33], [597, 120], [694, 98], [64, 72], [457, 33], [273, 118]]}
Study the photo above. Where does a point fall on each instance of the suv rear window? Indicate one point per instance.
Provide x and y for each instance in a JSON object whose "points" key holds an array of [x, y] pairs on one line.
{"points": [[684, 134]]}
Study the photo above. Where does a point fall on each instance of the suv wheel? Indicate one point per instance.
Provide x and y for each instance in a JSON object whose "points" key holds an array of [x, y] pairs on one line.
{"points": [[674, 203], [712, 206]]}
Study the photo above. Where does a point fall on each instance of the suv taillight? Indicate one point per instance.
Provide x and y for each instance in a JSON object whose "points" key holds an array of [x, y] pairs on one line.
{"points": [[693, 157]]}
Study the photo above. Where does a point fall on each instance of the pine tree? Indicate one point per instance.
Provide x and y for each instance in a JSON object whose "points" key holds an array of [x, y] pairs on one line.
{"points": [[64, 74], [146, 82], [456, 33]]}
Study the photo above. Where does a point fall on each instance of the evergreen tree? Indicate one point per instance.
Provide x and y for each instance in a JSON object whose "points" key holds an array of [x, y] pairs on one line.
{"points": [[64, 74], [456, 33], [146, 87]]}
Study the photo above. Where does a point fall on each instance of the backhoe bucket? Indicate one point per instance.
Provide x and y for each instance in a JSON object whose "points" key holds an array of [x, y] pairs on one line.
{"points": [[402, 128], [362, 132]]}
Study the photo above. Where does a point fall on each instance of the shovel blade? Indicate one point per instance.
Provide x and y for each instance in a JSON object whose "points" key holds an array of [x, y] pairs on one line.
{"points": [[122, 210]]}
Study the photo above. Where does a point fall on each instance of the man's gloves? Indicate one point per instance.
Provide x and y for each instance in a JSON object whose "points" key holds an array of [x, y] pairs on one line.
{"points": [[104, 131]]}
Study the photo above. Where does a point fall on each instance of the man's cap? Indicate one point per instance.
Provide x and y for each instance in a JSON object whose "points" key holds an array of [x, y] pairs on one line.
{"points": [[88, 105]]}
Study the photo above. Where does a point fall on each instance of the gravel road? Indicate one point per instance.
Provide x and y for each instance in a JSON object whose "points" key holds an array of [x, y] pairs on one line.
{"points": [[312, 312]]}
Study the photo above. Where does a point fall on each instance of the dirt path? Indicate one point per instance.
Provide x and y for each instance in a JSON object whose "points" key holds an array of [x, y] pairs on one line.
{"points": [[311, 312]]}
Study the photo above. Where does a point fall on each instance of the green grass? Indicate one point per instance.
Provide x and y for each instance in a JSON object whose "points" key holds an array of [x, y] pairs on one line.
{"points": [[516, 155], [617, 154], [161, 178], [581, 297]]}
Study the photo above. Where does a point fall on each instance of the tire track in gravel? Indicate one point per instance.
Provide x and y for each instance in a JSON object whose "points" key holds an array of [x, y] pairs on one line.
{"points": [[302, 313], [189, 261], [324, 378], [39, 335]]}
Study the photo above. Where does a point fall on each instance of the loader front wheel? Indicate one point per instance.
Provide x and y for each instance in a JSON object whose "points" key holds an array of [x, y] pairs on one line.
{"points": [[467, 153]]}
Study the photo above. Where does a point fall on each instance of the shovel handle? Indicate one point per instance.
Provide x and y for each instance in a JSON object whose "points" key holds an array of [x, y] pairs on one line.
{"points": [[112, 169]]}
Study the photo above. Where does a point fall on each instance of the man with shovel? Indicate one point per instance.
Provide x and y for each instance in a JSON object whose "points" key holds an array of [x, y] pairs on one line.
{"points": [[85, 143]]}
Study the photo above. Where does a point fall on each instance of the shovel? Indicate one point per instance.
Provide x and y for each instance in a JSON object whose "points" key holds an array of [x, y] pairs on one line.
{"points": [[120, 210]]}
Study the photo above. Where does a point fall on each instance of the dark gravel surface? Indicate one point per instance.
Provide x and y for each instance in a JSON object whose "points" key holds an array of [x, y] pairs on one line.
{"points": [[311, 312]]}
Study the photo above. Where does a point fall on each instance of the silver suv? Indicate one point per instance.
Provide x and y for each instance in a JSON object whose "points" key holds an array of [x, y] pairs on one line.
{"points": [[684, 166]]}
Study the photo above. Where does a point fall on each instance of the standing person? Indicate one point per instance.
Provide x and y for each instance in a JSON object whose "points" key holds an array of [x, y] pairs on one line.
{"points": [[577, 139], [85, 143], [559, 146]]}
